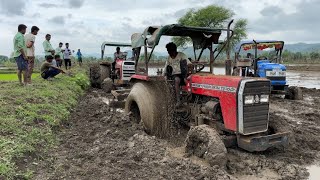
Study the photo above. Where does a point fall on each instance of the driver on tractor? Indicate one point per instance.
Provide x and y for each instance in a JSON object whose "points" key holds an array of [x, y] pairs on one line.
{"points": [[176, 67], [117, 55]]}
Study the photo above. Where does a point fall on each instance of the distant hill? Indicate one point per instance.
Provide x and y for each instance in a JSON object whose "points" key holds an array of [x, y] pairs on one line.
{"points": [[298, 47], [302, 47]]}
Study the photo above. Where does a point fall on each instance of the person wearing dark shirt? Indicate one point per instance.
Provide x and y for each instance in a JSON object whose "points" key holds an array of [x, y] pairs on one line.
{"points": [[49, 71]]}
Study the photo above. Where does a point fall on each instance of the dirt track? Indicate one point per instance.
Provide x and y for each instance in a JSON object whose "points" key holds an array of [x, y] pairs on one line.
{"points": [[100, 143]]}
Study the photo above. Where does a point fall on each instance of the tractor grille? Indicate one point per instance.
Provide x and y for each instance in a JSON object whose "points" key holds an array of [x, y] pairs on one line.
{"points": [[256, 116], [128, 70], [283, 78], [128, 73]]}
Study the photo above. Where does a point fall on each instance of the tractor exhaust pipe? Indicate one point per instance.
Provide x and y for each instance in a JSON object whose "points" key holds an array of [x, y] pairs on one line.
{"points": [[255, 64], [228, 61]]}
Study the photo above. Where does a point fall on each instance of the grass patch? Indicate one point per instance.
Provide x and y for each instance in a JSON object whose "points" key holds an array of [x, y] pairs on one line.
{"points": [[14, 77], [28, 115]]}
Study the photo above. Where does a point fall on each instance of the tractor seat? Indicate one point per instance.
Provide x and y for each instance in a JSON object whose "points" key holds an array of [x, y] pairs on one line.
{"points": [[244, 62]]}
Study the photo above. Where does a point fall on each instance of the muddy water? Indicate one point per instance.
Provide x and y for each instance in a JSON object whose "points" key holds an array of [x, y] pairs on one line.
{"points": [[308, 79], [314, 172]]}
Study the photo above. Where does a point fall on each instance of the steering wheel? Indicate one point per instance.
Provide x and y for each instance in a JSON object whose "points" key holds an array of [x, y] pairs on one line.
{"points": [[199, 67], [262, 58]]}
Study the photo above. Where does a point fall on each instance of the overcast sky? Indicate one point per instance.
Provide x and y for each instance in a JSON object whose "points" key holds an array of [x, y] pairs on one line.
{"points": [[85, 24]]}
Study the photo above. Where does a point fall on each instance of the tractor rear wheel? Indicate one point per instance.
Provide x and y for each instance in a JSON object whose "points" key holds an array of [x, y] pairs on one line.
{"points": [[95, 75], [98, 73], [294, 93], [149, 103], [104, 72]]}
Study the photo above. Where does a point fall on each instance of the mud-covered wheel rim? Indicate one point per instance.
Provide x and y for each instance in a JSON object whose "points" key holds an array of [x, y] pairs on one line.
{"points": [[135, 112], [145, 105]]}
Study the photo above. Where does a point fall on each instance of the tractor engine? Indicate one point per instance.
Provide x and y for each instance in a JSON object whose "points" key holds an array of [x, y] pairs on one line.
{"points": [[235, 105]]}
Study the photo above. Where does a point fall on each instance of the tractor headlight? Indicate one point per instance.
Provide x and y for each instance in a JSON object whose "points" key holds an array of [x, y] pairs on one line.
{"points": [[264, 98], [282, 73], [248, 99]]}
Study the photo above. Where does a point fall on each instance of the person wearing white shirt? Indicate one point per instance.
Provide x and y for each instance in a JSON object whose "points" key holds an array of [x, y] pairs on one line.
{"points": [[174, 61], [66, 56], [30, 40]]}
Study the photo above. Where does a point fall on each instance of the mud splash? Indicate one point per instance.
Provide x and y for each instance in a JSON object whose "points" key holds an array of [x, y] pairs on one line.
{"points": [[314, 172]]}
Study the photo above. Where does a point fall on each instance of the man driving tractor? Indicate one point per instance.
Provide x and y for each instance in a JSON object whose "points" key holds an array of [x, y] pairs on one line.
{"points": [[117, 55], [177, 67]]}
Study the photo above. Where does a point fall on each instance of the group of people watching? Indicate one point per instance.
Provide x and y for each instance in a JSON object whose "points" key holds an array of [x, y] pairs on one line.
{"points": [[24, 55]]}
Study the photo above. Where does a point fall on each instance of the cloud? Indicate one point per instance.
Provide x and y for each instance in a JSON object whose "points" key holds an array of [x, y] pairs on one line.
{"points": [[13, 7], [58, 20], [271, 11], [36, 15], [48, 5], [274, 18], [76, 3]]}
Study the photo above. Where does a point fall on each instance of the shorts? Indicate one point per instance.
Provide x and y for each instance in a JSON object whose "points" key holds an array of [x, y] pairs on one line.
{"points": [[80, 59], [21, 63], [67, 62]]}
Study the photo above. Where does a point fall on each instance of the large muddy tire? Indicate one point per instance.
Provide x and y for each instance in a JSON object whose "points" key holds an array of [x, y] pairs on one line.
{"points": [[278, 124], [149, 103], [107, 85], [95, 76], [104, 72], [205, 142], [98, 73], [294, 93]]}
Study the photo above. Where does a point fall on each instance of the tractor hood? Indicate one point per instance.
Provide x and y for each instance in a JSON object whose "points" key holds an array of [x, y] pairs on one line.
{"points": [[266, 64]]}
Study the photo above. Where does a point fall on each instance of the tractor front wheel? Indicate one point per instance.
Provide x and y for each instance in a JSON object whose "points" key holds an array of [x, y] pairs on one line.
{"points": [[294, 93], [205, 142]]}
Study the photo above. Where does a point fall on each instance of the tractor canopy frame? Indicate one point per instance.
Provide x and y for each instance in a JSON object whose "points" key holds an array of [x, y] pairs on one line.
{"points": [[201, 37], [259, 44], [113, 44]]}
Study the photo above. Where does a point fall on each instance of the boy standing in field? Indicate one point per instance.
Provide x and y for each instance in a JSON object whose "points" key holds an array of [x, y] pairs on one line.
{"points": [[19, 53], [49, 71], [48, 50], [30, 39], [79, 54], [66, 56], [59, 51], [58, 60]]}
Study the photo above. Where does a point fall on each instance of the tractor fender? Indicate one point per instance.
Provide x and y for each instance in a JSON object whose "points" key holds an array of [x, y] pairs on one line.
{"points": [[138, 77]]}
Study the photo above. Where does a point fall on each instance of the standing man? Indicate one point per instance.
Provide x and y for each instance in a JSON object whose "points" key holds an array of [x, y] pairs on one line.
{"points": [[66, 56], [30, 39], [48, 50], [19, 53], [59, 52], [79, 54]]}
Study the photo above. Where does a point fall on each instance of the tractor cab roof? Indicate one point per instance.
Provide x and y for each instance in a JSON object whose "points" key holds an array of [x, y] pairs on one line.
{"points": [[114, 44], [261, 45], [152, 34]]}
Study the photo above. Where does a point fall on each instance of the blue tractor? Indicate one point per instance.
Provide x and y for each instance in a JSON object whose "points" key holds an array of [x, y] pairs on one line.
{"points": [[269, 66]]}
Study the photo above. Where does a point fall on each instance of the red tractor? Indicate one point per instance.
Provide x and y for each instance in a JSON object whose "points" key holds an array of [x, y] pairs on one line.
{"points": [[118, 73], [235, 107]]}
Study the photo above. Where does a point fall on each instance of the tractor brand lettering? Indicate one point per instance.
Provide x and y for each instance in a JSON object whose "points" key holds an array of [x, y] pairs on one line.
{"points": [[214, 87]]}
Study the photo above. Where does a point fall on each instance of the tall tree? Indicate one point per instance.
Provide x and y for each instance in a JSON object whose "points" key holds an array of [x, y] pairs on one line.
{"points": [[214, 17]]}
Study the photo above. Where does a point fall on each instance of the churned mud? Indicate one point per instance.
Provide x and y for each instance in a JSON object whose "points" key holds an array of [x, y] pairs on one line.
{"points": [[101, 142]]}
